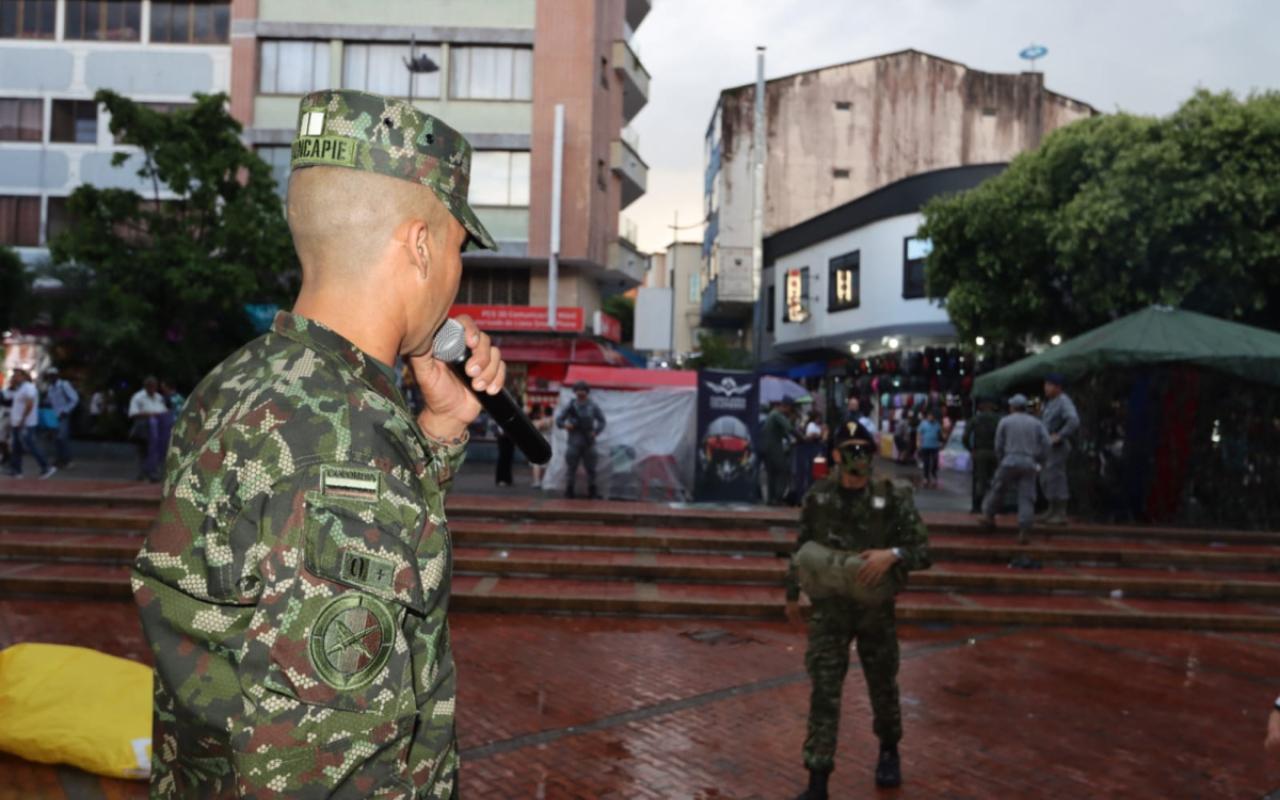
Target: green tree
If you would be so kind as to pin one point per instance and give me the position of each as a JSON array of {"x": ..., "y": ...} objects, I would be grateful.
[
  {"x": 15, "y": 287},
  {"x": 1116, "y": 213},
  {"x": 160, "y": 282},
  {"x": 623, "y": 309},
  {"x": 719, "y": 350}
]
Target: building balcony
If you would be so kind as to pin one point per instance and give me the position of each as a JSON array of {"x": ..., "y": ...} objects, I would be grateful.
[
  {"x": 631, "y": 168},
  {"x": 635, "y": 79},
  {"x": 637, "y": 10},
  {"x": 727, "y": 298},
  {"x": 626, "y": 263}
]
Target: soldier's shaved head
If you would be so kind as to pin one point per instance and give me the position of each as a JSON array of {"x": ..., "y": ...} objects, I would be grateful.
[{"x": 342, "y": 219}]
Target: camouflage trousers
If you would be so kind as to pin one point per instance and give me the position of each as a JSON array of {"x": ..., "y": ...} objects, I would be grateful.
[
  {"x": 1053, "y": 478},
  {"x": 984, "y": 469},
  {"x": 835, "y": 624}
]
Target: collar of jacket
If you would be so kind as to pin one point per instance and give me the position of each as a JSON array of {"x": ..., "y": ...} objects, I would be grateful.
[{"x": 316, "y": 336}]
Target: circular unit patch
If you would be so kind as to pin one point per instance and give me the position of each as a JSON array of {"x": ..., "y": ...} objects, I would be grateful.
[{"x": 351, "y": 640}]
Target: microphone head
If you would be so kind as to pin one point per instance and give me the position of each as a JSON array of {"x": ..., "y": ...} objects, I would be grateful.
[{"x": 451, "y": 341}]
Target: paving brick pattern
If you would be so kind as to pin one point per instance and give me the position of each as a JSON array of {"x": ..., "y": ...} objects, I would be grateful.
[{"x": 579, "y": 707}]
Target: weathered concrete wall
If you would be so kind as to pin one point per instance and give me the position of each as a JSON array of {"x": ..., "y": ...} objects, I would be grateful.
[{"x": 879, "y": 121}]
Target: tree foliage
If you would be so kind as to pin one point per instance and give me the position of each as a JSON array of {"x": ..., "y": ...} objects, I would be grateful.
[
  {"x": 623, "y": 309},
  {"x": 161, "y": 281},
  {"x": 15, "y": 285},
  {"x": 719, "y": 350},
  {"x": 1116, "y": 213}
]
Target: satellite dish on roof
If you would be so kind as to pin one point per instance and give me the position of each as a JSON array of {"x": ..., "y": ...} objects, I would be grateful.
[{"x": 1032, "y": 53}]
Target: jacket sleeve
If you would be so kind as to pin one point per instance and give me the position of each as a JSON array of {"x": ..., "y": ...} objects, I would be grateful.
[
  {"x": 563, "y": 415},
  {"x": 911, "y": 534},
  {"x": 1071, "y": 423},
  {"x": 808, "y": 530}
]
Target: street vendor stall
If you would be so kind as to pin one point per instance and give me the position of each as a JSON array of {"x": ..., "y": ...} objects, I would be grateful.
[{"x": 647, "y": 448}]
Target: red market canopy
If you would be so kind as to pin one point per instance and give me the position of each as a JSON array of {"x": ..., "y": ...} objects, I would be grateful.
[
  {"x": 559, "y": 351},
  {"x": 631, "y": 378}
]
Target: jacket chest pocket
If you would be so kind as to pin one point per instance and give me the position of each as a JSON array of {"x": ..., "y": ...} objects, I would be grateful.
[{"x": 340, "y": 641}]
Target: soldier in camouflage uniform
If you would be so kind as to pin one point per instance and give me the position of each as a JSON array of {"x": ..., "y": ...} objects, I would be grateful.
[
  {"x": 847, "y": 511},
  {"x": 980, "y": 441},
  {"x": 295, "y": 586}
]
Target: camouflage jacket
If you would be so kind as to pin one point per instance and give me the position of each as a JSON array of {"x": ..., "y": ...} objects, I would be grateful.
[
  {"x": 295, "y": 585},
  {"x": 980, "y": 433},
  {"x": 853, "y": 520}
]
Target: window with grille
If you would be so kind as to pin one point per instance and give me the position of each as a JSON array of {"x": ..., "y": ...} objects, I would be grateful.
[
  {"x": 19, "y": 221},
  {"x": 380, "y": 68},
  {"x": 191, "y": 22},
  {"x": 21, "y": 120},
  {"x": 494, "y": 287},
  {"x": 499, "y": 178},
  {"x": 491, "y": 73},
  {"x": 74, "y": 122},
  {"x": 104, "y": 20},
  {"x": 27, "y": 19},
  {"x": 295, "y": 67},
  {"x": 844, "y": 279}
]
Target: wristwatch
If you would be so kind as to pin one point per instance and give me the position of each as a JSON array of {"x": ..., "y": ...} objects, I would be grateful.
[
  {"x": 897, "y": 553},
  {"x": 1278, "y": 704}
]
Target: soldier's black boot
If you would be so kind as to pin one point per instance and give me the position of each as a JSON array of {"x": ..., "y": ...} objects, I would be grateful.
[
  {"x": 568, "y": 493},
  {"x": 817, "y": 786},
  {"x": 888, "y": 770},
  {"x": 592, "y": 494}
]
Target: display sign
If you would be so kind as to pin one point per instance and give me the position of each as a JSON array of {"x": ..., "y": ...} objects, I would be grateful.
[
  {"x": 797, "y": 295},
  {"x": 521, "y": 318},
  {"x": 727, "y": 467},
  {"x": 607, "y": 327}
]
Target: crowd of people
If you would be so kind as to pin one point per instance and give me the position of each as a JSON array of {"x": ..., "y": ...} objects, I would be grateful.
[{"x": 43, "y": 415}]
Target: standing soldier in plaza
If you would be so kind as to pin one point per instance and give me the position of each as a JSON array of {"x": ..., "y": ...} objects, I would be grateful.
[
  {"x": 583, "y": 421},
  {"x": 872, "y": 535},
  {"x": 980, "y": 441},
  {"x": 295, "y": 586},
  {"x": 1061, "y": 421},
  {"x": 1021, "y": 446},
  {"x": 776, "y": 435}
]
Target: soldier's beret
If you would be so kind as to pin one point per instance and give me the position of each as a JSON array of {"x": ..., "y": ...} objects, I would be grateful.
[
  {"x": 852, "y": 431},
  {"x": 374, "y": 133}
]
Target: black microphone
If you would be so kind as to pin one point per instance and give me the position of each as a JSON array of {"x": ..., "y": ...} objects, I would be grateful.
[{"x": 451, "y": 348}]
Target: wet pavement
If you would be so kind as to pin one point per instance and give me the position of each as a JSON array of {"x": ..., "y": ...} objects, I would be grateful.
[{"x": 582, "y": 707}]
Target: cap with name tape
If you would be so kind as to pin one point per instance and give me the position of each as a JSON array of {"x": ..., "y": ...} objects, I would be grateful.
[{"x": 374, "y": 133}]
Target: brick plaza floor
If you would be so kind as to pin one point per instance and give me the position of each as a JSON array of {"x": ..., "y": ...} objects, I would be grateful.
[{"x": 582, "y": 707}]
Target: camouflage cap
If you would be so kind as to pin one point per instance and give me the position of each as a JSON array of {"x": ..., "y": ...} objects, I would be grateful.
[{"x": 346, "y": 128}]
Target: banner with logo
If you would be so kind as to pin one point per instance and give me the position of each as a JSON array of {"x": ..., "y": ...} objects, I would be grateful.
[{"x": 728, "y": 424}]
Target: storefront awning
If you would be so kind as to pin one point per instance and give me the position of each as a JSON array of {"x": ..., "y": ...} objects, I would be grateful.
[{"x": 558, "y": 351}]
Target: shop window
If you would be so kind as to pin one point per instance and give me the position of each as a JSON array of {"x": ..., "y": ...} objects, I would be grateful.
[
  {"x": 21, "y": 120},
  {"x": 914, "y": 250},
  {"x": 491, "y": 73},
  {"x": 380, "y": 68},
  {"x": 74, "y": 122},
  {"x": 19, "y": 221},
  {"x": 104, "y": 20},
  {"x": 499, "y": 178},
  {"x": 293, "y": 67},
  {"x": 844, "y": 282},
  {"x": 191, "y": 22},
  {"x": 27, "y": 19}
]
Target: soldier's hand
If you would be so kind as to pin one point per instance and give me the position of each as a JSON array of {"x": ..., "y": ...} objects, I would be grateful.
[
  {"x": 875, "y": 563},
  {"x": 450, "y": 405},
  {"x": 1273, "y": 734},
  {"x": 793, "y": 613}
]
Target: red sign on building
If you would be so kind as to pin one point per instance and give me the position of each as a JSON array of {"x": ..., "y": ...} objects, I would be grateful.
[
  {"x": 521, "y": 318},
  {"x": 607, "y": 327}
]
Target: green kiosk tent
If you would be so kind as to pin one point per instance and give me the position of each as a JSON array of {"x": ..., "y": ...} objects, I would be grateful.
[{"x": 1156, "y": 335}]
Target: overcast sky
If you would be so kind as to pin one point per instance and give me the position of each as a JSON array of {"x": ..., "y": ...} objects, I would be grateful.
[{"x": 1143, "y": 56}]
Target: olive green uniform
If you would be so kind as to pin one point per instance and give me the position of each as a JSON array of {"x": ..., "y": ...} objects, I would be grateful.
[{"x": 980, "y": 441}]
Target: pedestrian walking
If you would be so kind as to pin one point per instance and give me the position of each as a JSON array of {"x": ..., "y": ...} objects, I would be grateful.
[
  {"x": 1022, "y": 444},
  {"x": 980, "y": 441},
  {"x": 810, "y": 446},
  {"x": 1061, "y": 421},
  {"x": 850, "y": 515},
  {"x": 776, "y": 436},
  {"x": 929, "y": 442},
  {"x": 172, "y": 398},
  {"x": 294, "y": 590},
  {"x": 63, "y": 399},
  {"x": 543, "y": 422},
  {"x": 24, "y": 416},
  {"x": 146, "y": 410},
  {"x": 583, "y": 421}
]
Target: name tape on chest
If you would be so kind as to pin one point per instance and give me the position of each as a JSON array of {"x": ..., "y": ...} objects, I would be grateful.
[{"x": 364, "y": 485}]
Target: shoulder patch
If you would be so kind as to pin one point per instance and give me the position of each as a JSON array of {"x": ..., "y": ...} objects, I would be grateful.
[{"x": 364, "y": 485}]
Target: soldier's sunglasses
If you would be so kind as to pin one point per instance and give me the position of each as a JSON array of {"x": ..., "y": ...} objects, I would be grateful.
[{"x": 859, "y": 449}]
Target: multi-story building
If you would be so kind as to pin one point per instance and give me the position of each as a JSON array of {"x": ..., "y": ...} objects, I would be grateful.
[
  {"x": 54, "y": 54},
  {"x": 680, "y": 269},
  {"x": 837, "y": 134}
]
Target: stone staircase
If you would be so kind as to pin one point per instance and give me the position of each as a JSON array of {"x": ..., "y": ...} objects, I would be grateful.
[{"x": 76, "y": 539}]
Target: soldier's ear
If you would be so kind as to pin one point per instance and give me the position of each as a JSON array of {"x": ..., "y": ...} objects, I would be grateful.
[{"x": 419, "y": 244}]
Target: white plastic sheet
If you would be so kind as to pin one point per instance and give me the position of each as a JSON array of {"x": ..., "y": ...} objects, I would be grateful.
[
  {"x": 954, "y": 456},
  {"x": 646, "y": 450}
]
